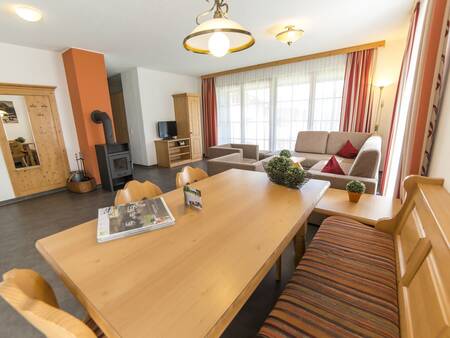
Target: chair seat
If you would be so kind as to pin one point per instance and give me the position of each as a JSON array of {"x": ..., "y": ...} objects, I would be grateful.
[
  {"x": 94, "y": 327},
  {"x": 345, "y": 286}
]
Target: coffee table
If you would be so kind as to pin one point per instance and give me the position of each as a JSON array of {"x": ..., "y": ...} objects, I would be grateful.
[{"x": 264, "y": 162}]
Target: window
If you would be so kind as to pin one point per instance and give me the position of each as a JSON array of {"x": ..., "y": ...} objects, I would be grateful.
[{"x": 269, "y": 107}]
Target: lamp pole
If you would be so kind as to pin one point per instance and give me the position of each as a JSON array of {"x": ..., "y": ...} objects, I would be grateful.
[{"x": 379, "y": 109}]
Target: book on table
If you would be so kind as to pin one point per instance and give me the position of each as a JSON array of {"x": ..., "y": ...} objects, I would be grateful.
[{"x": 133, "y": 218}]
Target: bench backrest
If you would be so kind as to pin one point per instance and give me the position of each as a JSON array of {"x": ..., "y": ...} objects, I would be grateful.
[{"x": 421, "y": 233}]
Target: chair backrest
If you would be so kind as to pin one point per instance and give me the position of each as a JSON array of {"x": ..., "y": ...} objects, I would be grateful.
[
  {"x": 31, "y": 296},
  {"x": 135, "y": 191},
  {"x": 421, "y": 232},
  {"x": 190, "y": 175}
]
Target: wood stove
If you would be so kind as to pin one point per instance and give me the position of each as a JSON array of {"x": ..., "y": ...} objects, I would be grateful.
[{"x": 114, "y": 160}]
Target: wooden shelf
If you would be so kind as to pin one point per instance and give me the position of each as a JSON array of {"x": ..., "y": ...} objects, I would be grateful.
[
  {"x": 179, "y": 154},
  {"x": 179, "y": 147}
]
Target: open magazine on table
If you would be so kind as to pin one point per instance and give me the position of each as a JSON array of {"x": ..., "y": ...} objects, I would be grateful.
[{"x": 131, "y": 219}]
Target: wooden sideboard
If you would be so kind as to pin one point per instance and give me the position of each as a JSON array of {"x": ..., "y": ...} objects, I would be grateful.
[{"x": 173, "y": 153}]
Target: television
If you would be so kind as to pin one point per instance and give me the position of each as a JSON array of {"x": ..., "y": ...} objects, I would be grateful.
[{"x": 167, "y": 129}]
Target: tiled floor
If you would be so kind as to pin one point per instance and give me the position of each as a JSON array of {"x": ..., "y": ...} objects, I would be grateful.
[{"x": 21, "y": 224}]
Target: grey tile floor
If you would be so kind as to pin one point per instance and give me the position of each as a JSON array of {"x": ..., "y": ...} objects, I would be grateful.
[{"x": 23, "y": 223}]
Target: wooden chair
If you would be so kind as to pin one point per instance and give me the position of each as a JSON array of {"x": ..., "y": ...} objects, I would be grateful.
[
  {"x": 135, "y": 191},
  {"x": 30, "y": 295},
  {"x": 190, "y": 175}
]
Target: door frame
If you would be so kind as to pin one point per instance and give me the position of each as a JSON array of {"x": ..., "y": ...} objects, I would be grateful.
[{"x": 32, "y": 90}]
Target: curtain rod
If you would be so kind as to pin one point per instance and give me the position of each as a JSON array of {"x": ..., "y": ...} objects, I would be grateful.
[{"x": 300, "y": 58}]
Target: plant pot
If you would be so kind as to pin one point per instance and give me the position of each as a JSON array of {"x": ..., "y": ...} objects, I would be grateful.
[
  {"x": 83, "y": 186},
  {"x": 354, "y": 196}
]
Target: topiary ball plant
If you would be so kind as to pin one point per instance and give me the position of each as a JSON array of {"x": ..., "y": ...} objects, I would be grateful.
[
  {"x": 294, "y": 177},
  {"x": 277, "y": 168},
  {"x": 281, "y": 170},
  {"x": 285, "y": 153},
  {"x": 356, "y": 186}
]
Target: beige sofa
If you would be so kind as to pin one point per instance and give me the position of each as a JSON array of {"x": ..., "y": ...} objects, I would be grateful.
[{"x": 317, "y": 147}]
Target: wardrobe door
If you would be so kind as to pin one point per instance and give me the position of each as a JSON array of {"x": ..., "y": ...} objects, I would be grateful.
[
  {"x": 195, "y": 122},
  {"x": 32, "y": 144}
]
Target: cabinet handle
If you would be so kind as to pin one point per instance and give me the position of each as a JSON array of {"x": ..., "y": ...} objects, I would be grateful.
[{"x": 44, "y": 106}]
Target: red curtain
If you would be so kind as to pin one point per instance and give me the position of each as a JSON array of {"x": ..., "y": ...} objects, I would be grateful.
[
  {"x": 401, "y": 83},
  {"x": 209, "y": 105},
  {"x": 357, "y": 98}
]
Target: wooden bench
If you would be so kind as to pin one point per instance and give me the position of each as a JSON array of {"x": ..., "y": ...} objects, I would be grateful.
[{"x": 389, "y": 281}]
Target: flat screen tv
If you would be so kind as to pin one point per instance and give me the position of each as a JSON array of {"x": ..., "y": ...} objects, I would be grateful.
[{"x": 167, "y": 129}]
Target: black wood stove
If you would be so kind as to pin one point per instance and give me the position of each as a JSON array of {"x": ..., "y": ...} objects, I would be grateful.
[{"x": 114, "y": 159}]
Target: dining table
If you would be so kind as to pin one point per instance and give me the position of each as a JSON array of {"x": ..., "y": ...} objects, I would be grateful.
[{"x": 192, "y": 278}]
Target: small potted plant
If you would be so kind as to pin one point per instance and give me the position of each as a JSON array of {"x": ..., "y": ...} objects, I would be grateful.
[{"x": 355, "y": 189}]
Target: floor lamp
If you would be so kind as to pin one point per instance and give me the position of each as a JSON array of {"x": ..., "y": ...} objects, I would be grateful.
[{"x": 380, "y": 85}]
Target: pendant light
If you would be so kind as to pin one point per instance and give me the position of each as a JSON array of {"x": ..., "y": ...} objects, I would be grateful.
[{"x": 218, "y": 36}]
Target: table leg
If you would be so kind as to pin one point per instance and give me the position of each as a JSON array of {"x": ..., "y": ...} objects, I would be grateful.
[
  {"x": 300, "y": 243},
  {"x": 278, "y": 270}
]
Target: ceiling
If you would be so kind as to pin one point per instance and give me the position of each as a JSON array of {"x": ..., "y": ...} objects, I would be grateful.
[{"x": 149, "y": 33}]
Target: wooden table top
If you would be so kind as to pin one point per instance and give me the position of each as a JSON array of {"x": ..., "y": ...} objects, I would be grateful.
[
  {"x": 191, "y": 279},
  {"x": 368, "y": 210}
]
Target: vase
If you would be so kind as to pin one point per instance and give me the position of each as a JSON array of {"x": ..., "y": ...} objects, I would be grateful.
[{"x": 354, "y": 196}]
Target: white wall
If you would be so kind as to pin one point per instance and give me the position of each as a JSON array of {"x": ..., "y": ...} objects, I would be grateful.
[
  {"x": 440, "y": 161},
  {"x": 387, "y": 70},
  {"x": 151, "y": 103},
  {"x": 25, "y": 65}
]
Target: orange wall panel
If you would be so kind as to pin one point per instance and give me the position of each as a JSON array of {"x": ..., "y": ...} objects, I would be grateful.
[{"x": 88, "y": 89}]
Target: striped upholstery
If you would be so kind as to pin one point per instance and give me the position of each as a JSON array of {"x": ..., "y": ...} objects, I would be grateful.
[
  {"x": 345, "y": 286},
  {"x": 94, "y": 327}
]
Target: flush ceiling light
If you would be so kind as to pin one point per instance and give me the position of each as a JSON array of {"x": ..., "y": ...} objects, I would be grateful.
[
  {"x": 28, "y": 13},
  {"x": 290, "y": 35},
  {"x": 219, "y": 35}
]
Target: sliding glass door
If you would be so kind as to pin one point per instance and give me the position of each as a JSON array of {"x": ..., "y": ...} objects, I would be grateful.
[{"x": 269, "y": 107}]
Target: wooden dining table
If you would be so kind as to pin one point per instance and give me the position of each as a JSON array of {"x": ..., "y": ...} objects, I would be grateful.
[{"x": 192, "y": 278}]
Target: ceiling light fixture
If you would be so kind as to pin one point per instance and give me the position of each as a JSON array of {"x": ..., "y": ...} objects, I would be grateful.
[
  {"x": 289, "y": 35},
  {"x": 28, "y": 13},
  {"x": 218, "y": 36}
]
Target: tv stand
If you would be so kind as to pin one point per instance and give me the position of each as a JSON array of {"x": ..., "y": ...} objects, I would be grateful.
[{"x": 173, "y": 153}]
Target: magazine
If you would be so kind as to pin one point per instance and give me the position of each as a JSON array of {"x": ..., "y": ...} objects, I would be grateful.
[{"x": 131, "y": 219}]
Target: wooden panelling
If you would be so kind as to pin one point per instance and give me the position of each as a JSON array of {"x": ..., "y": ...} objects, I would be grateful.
[
  {"x": 421, "y": 230},
  {"x": 54, "y": 168}
]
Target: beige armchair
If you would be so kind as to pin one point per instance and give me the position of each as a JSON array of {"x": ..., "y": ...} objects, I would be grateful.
[{"x": 249, "y": 151}]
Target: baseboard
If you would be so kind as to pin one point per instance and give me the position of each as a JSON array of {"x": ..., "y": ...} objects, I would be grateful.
[{"x": 39, "y": 194}]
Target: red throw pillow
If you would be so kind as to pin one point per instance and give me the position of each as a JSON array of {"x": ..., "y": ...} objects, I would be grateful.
[
  {"x": 348, "y": 150},
  {"x": 333, "y": 167}
]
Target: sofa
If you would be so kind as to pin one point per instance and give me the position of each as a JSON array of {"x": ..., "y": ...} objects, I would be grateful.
[
  {"x": 229, "y": 156},
  {"x": 248, "y": 151},
  {"x": 317, "y": 147},
  {"x": 358, "y": 281}
]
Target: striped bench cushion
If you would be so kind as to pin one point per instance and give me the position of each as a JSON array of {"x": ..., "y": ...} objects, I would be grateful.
[{"x": 345, "y": 286}]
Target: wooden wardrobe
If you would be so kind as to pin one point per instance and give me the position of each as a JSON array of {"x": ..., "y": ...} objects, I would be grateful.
[
  {"x": 189, "y": 121},
  {"x": 52, "y": 170}
]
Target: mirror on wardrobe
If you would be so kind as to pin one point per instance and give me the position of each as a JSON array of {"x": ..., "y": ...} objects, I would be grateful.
[{"x": 16, "y": 123}]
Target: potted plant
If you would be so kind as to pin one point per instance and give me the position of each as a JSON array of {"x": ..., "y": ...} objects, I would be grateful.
[{"x": 355, "y": 189}]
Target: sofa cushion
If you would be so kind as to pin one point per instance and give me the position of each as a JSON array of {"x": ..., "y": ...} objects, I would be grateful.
[
  {"x": 337, "y": 139},
  {"x": 318, "y": 167},
  {"x": 345, "y": 286},
  {"x": 333, "y": 167},
  {"x": 348, "y": 150},
  {"x": 311, "y": 142}
]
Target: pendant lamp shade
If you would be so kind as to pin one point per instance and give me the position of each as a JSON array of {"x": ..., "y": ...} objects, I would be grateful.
[{"x": 218, "y": 36}]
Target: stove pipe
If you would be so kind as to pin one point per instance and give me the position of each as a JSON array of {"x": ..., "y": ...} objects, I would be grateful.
[{"x": 103, "y": 118}]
